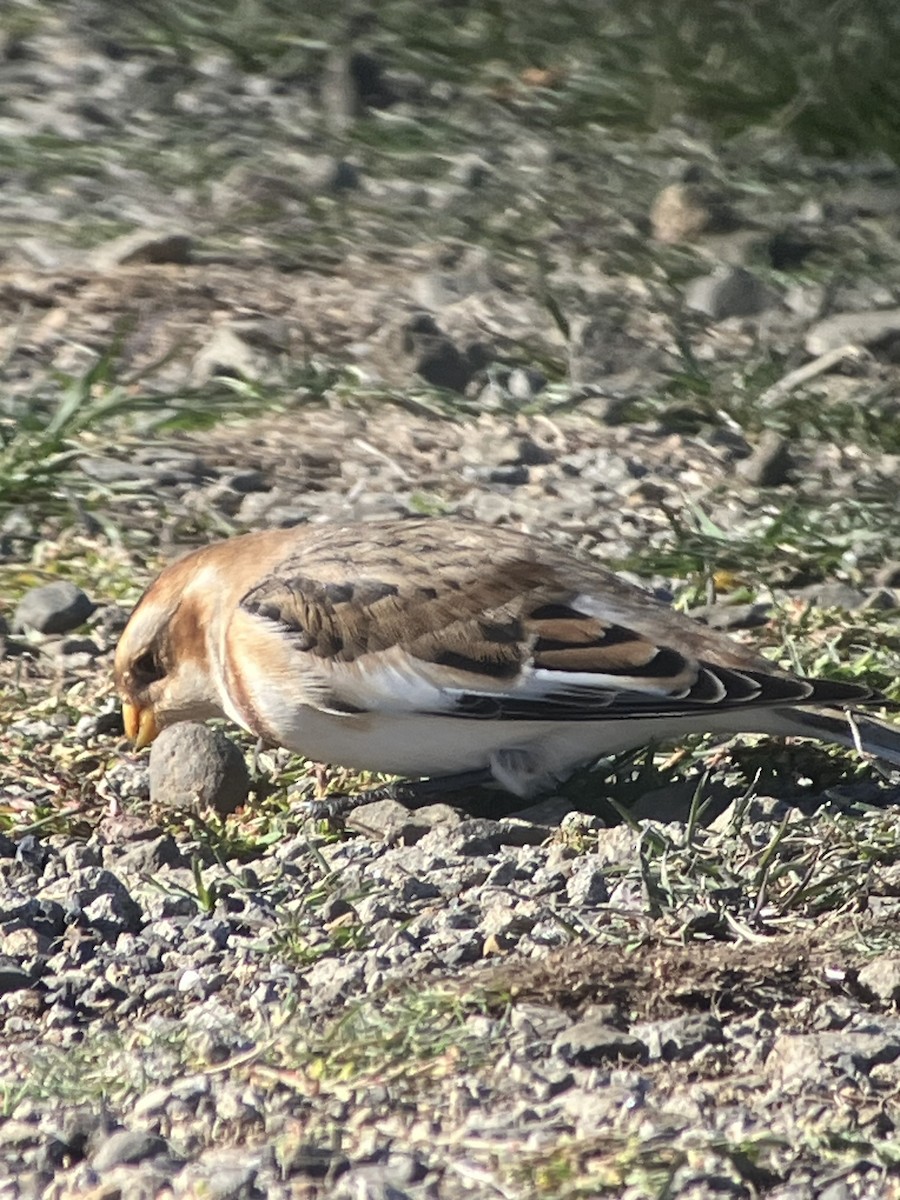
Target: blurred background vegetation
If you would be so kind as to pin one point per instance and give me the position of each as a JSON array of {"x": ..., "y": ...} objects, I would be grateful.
[{"x": 826, "y": 73}]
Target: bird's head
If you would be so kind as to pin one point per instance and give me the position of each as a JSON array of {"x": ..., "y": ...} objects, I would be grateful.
[{"x": 162, "y": 666}]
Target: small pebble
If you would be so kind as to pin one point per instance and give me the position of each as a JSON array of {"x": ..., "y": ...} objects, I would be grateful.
[{"x": 194, "y": 768}]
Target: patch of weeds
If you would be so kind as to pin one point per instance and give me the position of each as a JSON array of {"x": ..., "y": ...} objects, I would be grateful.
[
  {"x": 742, "y": 880},
  {"x": 242, "y": 836},
  {"x": 820, "y": 72},
  {"x": 39, "y": 436},
  {"x": 42, "y": 436},
  {"x": 700, "y": 395},
  {"x": 413, "y": 1039},
  {"x": 797, "y": 543},
  {"x": 610, "y": 1163},
  {"x": 859, "y": 646},
  {"x": 742, "y": 877},
  {"x": 107, "y": 1067},
  {"x": 301, "y": 941},
  {"x": 102, "y": 568},
  {"x": 427, "y": 504},
  {"x": 49, "y": 780}
]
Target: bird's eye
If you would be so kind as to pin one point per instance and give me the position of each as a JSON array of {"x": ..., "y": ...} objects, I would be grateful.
[{"x": 147, "y": 666}]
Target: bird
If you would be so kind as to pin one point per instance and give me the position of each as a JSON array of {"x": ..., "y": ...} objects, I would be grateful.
[{"x": 443, "y": 650}]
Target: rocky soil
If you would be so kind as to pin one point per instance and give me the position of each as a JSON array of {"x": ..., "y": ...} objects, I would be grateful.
[{"x": 359, "y": 286}]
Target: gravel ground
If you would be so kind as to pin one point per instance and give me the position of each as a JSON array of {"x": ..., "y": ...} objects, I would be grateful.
[{"x": 416, "y": 297}]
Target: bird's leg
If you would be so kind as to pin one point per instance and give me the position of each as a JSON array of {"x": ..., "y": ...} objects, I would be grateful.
[
  {"x": 416, "y": 793},
  {"x": 413, "y": 793}
]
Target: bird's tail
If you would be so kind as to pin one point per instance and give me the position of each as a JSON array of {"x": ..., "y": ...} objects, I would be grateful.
[{"x": 846, "y": 727}]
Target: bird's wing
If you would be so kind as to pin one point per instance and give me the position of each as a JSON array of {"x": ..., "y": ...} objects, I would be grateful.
[{"x": 499, "y": 631}]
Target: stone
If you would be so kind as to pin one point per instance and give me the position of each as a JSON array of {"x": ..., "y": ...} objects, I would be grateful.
[
  {"x": 80, "y": 889},
  {"x": 128, "y": 1146},
  {"x": 789, "y": 248},
  {"x": 228, "y": 353},
  {"x": 681, "y": 1037},
  {"x": 593, "y": 1042},
  {"x": 14, "y": 978},
  {"x": 380, "y": 819},
  {"x": 818, "y": 1058},
  {"x": 732, "y": 616},
  {"x": 194, "y": 768},
  {"x": 480, "y": 836},
  {"x": 833, "y": 594},
  {"x": 881, "y": 977},
  {"x": 53, "y": 608},
  {"x": 682, "y": 212},
  {"x": 442, "y": 365},
  {"x": 888, "y": 575},
  {"x": 587, "y": 885},
  {"x": 419, "y": 343},
  {"x": 882, "y": 599},
  {"x": 143, "y": 246},
  {"x": 729, "y": 292},
  {"x": 878, "y": 329},
  {"x": 772, "y": 462}
]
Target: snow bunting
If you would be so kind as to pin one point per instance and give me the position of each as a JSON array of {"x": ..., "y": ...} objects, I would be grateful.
[{"x": 436, "y": 647}]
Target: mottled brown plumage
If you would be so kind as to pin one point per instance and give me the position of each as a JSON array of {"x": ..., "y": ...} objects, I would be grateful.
[{"x": 425, "y": 646}]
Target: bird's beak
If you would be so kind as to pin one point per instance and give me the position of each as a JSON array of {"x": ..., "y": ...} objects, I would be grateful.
[{"x": 140, "y": 724}]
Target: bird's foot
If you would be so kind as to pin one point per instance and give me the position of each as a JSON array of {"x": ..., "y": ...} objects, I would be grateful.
[{"x": 412, "y": 793}]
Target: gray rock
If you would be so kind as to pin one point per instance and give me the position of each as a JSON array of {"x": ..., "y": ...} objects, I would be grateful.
[
  {"x": 592, "y": 1042},
  {"x": 770, "y": 464},
  {"x": 246, "y": 482},
  {"x": 113, "y": 470},
  {"x": 442, "y": 365},
  {"x": 817, "y": 1058},
  {"x": 369, "y": 1183},
  {"x": 732, "y": 616},
  {"x": 145, "y": 246},
  {"x": 430, "y": 353},
  {"x": 418, "y": 889},
  {"x": 684, "y": 211},
  {"x": 79, "y": 889},
  {"x": 146, "y": 854},
  {"x": 538, "y": 1022},
  {"x": 587, "y": 885},
  {"x": 463, "y": 271},
  {"x": 227, "y": 353},
  {"x": 14, "y": 978},
  {"x": 679, "y": 1038},
  {"x": 789, "y": 248},
  {"x": 888, "y": 575},
  {"x": 602, "y": 348},
  {"x": 111, "y": 915},
  {"x": 729, "y": 292},
  {"x": 882, "y": 599},
  {"x": 215, "y": 1179},
  {"x": 431, "y": 816},
  {"x": 833, "y": 595},
  {"x": 193, "y": 768},
  {"x": 882, "y": 978},
  {"x": 128, "y": 1146},
  {"x": 877, "y": 330},
  {"x": 82, "y": 649},
  {"x": 52, "y": 608},
  {"x": 381, "y": 819},
  {"x": 480, "y": 836}
]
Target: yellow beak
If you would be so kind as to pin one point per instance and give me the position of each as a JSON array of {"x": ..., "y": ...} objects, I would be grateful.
[{"x": 140, "y": 724}]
